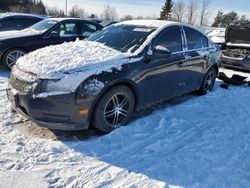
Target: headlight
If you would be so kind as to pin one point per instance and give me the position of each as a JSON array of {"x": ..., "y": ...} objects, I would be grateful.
[{"x": 52, "y": 85}]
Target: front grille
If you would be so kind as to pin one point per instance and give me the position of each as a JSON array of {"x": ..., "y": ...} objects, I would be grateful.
[{"x": 20, "y": 85}]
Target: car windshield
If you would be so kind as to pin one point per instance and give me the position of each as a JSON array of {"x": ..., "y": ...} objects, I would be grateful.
[
  {"x": 124, "y": 38},
  {"x": 43, "y": 25}
]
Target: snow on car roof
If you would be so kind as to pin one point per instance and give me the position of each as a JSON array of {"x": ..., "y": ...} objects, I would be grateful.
[
  {"x": 148, "y": 23},
  {"x": 62, "y": 19},
  {"x": 3, "y": 15}
]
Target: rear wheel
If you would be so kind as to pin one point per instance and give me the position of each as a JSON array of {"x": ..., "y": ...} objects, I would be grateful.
[
  {"x": 114, "y": 109},
  {"x": 208, "y": 82},
  {"x": 11, "y": 56}
]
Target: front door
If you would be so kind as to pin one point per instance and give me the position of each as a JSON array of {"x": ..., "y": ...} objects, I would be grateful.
[
  {"x": 164, "y": 78},
  {"x": 66, "y": 32}
]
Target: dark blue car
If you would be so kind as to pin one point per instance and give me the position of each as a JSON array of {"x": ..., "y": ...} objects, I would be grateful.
[{"x": 102, "y": 80}]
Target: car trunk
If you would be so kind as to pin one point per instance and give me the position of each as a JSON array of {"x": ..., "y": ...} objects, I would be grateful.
[
  {"x": 237, "y": 42},
  {"x": 238, "y": 35}
]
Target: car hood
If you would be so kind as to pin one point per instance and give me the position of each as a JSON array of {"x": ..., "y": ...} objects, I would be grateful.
[
  {"x": 54, "y": 62},
  {"x": 16, "y": 34},
  {"x": 238, "y": 35}
]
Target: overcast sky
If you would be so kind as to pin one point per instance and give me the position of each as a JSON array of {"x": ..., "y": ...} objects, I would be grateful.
[{"x": 148, "y": 7}]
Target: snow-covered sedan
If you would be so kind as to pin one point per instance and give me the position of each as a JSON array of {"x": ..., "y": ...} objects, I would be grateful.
[{"x": 101, "y": 81}]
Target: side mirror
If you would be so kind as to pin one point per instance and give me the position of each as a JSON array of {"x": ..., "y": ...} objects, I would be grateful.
[
  {"x": 161, "y": 50},
  {"x": 54, "y": 34}
]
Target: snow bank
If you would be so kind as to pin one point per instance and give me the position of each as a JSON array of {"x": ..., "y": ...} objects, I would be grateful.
[{"x": 193, "y": 142}]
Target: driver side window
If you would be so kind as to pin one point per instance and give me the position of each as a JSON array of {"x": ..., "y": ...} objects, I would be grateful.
[
  {"x": 171, "y": 39},
  {"x": 67, "y": 30}
]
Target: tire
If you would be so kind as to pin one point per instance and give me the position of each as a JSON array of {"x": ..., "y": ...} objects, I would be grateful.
[
  {"x": 114, "y": 109},
  {"x": 10, "y": 57},
  {"x": 208, "y": 81}
]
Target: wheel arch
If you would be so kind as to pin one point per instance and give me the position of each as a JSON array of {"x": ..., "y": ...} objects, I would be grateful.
[
  {"x": 213, "y": 66},
  {"x": 11, "y": 48},
  {"x": 130, "y": 84}
]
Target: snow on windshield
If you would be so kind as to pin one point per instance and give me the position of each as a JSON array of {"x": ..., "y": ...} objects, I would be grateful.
[{"x": 124, "y": 38}]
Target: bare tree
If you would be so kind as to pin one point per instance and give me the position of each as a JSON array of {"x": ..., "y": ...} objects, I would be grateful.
[
  {"x": 178, "y": 11},
  {"x": 55, "y": 12},
  {"x": 191, "y": 11},
  {"x": 77, "y": 12},
  {"x": 204, "y": 11},
  {"x": 109, "y": 13}
]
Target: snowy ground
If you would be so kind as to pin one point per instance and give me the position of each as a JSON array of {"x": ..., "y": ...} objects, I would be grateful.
[{"x": 191, "y": 142}]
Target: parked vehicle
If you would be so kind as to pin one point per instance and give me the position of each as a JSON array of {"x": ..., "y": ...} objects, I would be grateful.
[
  {"x": 107, "y": 23},
  {"x": 102, "y": 80},
  {"x": 236, "y": 50},
  {"x": 217, "y": 35},
  {"x": 18, "y": 21},
  {"x": 50, "y": 31}
]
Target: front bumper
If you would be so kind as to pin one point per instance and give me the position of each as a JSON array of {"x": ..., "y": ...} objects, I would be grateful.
[
  {"x": 238, "y": 63},
  {"x": 59, "y": 112}
]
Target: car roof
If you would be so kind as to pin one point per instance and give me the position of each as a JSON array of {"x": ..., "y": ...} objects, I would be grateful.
[
  {"x": 59, "y": 19},
  {"x": 149, "y": 23},
  {"x": 10, "y": 14},
  {"x": 159, "y": 24}
]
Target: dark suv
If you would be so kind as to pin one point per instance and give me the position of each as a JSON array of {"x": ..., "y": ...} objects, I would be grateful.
[
  {"x": 102, "y": 80},
  {"x": 18, "y": 21}
]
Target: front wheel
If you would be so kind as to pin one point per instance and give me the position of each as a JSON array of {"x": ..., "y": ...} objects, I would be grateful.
[
  {"x": 114, "y": 109},
  {"x": 208, "y": 82},
  {"x": 11, "y": 56}
]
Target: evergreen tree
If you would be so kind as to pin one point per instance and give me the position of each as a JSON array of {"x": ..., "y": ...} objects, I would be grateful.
[
  {"x": 25, "y": 6},
  {"x": 166, "y": 10},
  {"x": 218, "y": 19},
  {"x": 225, "y": 20}
]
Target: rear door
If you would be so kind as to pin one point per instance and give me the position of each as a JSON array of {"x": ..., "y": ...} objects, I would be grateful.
[{"x": 197, "y": 55}]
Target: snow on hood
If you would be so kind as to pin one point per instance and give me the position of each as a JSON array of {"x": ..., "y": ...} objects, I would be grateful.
[{"x": 54, "y": 61}]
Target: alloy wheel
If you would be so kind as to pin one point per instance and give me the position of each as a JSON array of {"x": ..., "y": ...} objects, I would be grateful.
[
  {"x": 12, "y": 57},
  {"x": 210, "y": 80},
  {"x": 116, "y": 110}
]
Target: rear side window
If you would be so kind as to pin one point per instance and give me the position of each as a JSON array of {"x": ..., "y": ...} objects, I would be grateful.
[
  {"x": 171, "y": 39},
  {"x": 195, "y": 39},
  {"x": 24, "y": 23},
  {"x": 17, "y": 23},
  {"x": 87, "y": 29},
  {"x": 8, "y": 24}
]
